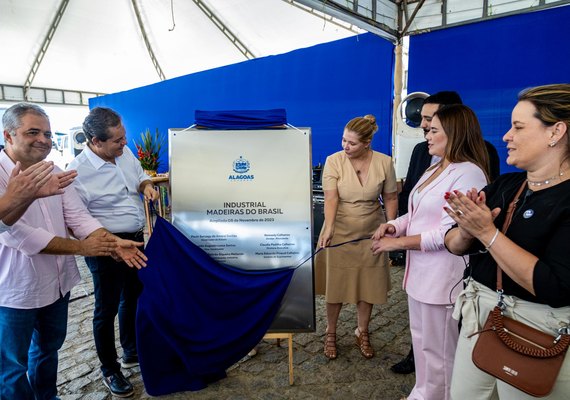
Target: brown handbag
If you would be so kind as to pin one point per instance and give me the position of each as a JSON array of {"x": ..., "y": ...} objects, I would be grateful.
[{"x": 523, "y": 357}]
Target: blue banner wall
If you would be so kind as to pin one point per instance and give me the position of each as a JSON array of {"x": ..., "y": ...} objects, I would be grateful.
[
  {"x": 488, "y": 63},
  {"x": 321, "y": 87}
]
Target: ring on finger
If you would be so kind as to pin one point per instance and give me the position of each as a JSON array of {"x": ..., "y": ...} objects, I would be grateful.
[{"x": 459, "y": 212}]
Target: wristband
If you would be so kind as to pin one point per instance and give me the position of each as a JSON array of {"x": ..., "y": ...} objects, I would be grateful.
[{"x": 492, "y": 242}]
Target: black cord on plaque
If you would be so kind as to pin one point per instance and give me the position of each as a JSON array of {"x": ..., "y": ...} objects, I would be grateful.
[{"x": 329, "y": 247}]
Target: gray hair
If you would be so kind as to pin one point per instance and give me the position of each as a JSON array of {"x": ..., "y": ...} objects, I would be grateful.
[{"x": 12, "y": 118}]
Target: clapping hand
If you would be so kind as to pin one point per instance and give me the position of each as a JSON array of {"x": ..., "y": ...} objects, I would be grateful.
[
  {"x": 98, "y": 245},
  {"x": 127, "y": 251},
  {"x": 37, "y": 181},
  {"x": 470, "y": 212}
]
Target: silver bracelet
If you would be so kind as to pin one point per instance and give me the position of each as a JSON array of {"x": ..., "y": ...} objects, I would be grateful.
[{"x": 493, "y": 240}]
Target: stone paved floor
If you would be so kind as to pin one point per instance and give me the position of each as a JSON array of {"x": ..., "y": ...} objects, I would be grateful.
[{"x": 265, "y": 376}]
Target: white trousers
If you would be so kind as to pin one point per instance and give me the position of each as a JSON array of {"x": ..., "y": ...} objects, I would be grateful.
[
  {"x": 474, "y": 304},
  {"x": 434, "y": 337}
]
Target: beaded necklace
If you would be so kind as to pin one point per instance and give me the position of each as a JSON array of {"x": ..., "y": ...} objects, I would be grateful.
[{"x": 546, "y": 181}]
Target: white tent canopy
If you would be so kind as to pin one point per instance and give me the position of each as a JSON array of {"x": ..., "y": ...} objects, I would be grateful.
[
  {"x": 79, "y": 48},
  {"x": 103, "y": 46},
  {"x": 62, "y": 52}
]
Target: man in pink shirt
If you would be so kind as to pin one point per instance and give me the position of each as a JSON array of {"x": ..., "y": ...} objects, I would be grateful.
[{"x": 37, "y": 267}]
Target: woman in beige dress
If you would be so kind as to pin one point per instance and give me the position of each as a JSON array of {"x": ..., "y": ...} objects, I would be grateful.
[{"x": 353, "y": 181}]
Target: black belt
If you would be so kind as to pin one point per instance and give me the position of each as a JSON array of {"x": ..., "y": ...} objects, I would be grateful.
[{"x": 138, "y": 235}]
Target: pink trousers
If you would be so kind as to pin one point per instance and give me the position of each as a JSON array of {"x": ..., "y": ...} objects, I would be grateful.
[{"x": 434, "y": 337}]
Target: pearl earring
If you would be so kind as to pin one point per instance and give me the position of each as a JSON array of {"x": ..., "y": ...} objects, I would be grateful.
[{"x": 552, "y": 144}]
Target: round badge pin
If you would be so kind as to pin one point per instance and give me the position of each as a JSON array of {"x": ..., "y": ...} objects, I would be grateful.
[{"x": 528, "y": 213}]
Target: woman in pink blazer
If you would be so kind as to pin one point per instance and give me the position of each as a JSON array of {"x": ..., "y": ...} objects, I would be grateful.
[{"x": 433, "y": 275}]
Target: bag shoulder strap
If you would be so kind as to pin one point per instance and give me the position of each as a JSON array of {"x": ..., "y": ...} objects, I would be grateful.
[{"x": 508, "y": 219}]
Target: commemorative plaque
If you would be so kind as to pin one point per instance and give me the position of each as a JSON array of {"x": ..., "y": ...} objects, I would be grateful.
[{"x": 244, "y": 197}]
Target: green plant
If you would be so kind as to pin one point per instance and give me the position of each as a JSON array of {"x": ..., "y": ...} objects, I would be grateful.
[{"x": 148, "y": 151}]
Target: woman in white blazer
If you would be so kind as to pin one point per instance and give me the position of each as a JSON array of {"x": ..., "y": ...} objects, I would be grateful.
[{"x": 433, "y": 275}]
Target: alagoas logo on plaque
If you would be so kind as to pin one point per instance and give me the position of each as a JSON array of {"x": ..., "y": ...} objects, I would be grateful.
[{"x": 240, "y": 167}]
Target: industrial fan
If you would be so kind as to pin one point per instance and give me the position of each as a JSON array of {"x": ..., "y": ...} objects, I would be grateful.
[
  {"x": 79, "y": 140},
  {"x": 407, "y": 131}
]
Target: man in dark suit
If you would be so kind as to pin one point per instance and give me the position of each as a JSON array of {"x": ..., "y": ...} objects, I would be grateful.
[{"x": 420, "y": 160}]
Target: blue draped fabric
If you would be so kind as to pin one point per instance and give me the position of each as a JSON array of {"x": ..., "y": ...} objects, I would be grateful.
[
  {"x": 197, "y": 317},
  {"x": 241, "y": 119}
]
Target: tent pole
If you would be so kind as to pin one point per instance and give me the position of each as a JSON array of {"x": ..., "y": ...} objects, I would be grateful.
[
  {"x": 43, "y": 49},
  {"x": 398, "y": 84}
]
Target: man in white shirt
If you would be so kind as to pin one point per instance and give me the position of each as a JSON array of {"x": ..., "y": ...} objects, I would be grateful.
[{"x": 110, "y": 181}]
